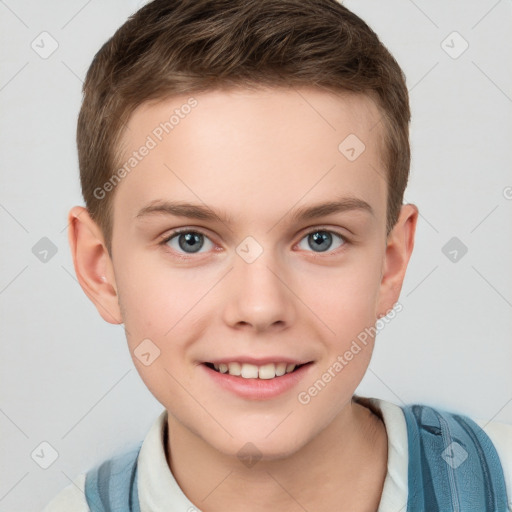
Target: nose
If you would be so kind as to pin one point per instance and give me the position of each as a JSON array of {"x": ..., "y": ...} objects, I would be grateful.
[{"x": 258, "y": 297}]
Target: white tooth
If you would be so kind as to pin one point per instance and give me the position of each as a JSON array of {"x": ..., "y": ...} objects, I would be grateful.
[
  {"x": 290, "y": 367},
  {"x": 249, "y": 371},
  {"x": 223, "y": 368},
  {"x": 234, "y": 369},
  {"x": 267, "y": 371},
  {"x": 280, "y": 369},
  {"x": 216, "y": 366}
]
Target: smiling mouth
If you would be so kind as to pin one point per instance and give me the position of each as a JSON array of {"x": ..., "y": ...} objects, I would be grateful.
[{"x": 251, "y": 371}]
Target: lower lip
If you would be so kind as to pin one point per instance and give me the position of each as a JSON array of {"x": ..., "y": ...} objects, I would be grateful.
[{"x": 258, "y": 389}]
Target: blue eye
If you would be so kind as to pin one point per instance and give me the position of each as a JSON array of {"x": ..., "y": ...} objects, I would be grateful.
[
  {"x": 194, "y": 242},
  {"x": 322, "y": 241},
  {"x": 190, "y": 242}
]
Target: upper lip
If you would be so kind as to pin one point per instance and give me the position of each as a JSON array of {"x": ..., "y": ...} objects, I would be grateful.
[{"x": 258, "y": 361}]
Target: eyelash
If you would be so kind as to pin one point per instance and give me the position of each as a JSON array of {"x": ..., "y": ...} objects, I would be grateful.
[{"x": 327, "y": 253}]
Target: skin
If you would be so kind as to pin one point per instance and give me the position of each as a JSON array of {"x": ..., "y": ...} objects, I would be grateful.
[{"x": 257, "y": 157}]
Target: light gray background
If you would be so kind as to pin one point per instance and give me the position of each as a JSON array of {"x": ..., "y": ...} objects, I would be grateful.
[{"x": 66, "y": 375}]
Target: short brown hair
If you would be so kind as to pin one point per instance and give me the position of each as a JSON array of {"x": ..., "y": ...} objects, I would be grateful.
[{"x": 173, "y": 47}]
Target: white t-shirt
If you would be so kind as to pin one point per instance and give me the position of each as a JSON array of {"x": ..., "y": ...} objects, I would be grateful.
[{"x": 159, "y": 491}]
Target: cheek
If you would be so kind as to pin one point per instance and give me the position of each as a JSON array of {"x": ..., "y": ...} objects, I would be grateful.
[
  {"x": 155, "y": 310},
  {"x": 162, "y": 305},
  {"x": 345, "y": 298},
  {"x": 155, "y": 298}
]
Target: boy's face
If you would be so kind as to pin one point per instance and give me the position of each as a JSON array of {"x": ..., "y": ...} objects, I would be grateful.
[{"x": 254, "y": 286}]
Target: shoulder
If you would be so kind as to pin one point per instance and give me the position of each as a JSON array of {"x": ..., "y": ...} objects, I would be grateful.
[
  {"x": 501, "y": 436},
  {"x": 71, "y": 498},
  {"x": 119, "y": 466},
  {"x": 396, "y": 485}
]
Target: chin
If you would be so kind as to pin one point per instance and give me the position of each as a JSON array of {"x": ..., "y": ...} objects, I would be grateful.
[{"x": 260, "y": 445}]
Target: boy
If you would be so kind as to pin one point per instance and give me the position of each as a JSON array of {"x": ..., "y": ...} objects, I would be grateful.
[{"x": 243, "y": 165}]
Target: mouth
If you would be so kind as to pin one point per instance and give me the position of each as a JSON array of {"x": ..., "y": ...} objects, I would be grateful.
[
  {"x": 266, "y": 371},
  {"x": 256, "y": 382}
]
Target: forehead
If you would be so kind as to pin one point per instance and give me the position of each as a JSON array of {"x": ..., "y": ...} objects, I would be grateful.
[{"x": 254, "y": 153}]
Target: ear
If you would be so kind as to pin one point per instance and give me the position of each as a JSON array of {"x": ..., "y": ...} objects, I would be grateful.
[
  {"x": 93, "y": 266},
  {"x": 399, "y": 246}
]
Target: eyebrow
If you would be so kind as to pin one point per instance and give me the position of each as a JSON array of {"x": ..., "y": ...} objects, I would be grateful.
[
  {"x": 181, "y": 209},
  {"x": 203, "y": 212},
  {"x": 344, "y": 204}
]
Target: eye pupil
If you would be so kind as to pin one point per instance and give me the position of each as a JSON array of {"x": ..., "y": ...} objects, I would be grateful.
[
  {"x": 320, "y": 240},
  {"x": 191, "y": 240}
]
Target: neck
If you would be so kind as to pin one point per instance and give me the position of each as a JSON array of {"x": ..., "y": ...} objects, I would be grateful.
[{"x": 345, "y": 464}]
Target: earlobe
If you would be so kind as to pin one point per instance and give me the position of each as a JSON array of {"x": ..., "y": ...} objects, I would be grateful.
[
  {"x": 93, "y": 266},
  {"x": 400, "y": 244}
]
